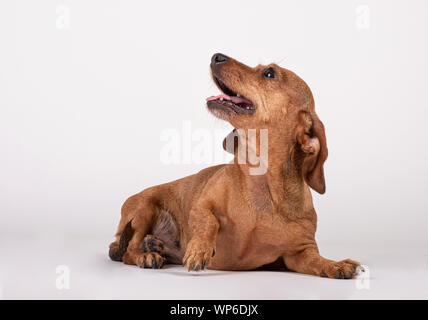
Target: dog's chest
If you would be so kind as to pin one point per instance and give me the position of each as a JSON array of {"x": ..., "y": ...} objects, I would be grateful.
[
  {"x": 251, "y": 229},
  {"x": 253, "y": 218},
  {"x": 249, "y": 242},
  {"x": 269, "y": 230}
]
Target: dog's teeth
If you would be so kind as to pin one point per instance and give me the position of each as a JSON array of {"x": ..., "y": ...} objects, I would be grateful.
[
  {"x": 221, "y": 99},
  {"x": 238, "y": 95}
]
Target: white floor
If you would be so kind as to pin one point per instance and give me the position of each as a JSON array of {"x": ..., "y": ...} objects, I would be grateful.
[{"x": 28, "y": 270}]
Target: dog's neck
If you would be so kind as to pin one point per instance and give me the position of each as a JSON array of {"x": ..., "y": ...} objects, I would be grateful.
[{"x": 277, "y": 176}]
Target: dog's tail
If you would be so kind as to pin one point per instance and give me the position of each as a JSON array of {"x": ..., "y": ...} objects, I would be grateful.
[{"x": 116, "y": 252}]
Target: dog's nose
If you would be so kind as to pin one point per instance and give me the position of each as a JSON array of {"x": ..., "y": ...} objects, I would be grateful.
[{"x": 218, "y": 58}]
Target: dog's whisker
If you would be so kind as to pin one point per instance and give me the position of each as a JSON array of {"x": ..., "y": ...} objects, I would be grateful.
[{"x": 280, "y": 61}]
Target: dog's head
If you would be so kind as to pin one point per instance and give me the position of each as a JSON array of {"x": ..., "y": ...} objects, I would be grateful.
[{"x": 273, "y": 98}]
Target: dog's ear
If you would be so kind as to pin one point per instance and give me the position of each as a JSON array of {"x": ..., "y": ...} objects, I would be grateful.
[
  {"x": 310, "y": 136},
  {"x": 231, "y": 142}
]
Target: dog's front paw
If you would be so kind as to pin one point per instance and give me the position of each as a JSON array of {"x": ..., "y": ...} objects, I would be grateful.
[
  {"x": 198, "y": 254},
  {"x": 345, "y": 269}
]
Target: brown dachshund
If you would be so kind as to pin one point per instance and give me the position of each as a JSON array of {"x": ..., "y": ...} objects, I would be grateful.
[{"x": 233, "y": 216}]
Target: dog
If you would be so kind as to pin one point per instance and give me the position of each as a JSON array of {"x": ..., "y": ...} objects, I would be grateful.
[{"x": 225, "y": 217}]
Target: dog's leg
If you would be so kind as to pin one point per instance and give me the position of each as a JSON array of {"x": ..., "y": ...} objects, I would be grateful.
[
  {"x": 138, "y": 215},
  {"x": 309, "y": 261},
  {"x": 135, "y": 255},
  {"x": 201, "y": 248},
  {"x": 141, "y": 224}
]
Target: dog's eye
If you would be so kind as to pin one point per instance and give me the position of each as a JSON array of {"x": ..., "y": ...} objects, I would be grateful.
[{"x": 269, "y": 73}]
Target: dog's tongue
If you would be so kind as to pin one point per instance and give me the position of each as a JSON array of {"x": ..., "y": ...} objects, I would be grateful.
[{"x": 234, "y": 99}]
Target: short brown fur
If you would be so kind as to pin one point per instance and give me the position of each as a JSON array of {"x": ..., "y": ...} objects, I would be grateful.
[{"x": 227, "y": 219}]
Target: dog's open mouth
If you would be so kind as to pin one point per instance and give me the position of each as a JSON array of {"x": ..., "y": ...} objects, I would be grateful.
[{"x": 230, "y": 100}]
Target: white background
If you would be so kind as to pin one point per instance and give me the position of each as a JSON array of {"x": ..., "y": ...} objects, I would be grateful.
[{"x": 83, "y": 107}]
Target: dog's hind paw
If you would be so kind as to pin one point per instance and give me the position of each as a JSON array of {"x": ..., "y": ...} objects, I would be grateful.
[
  {"x": 152, "y": 244},
  {"x": 152, "y": 260}
]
